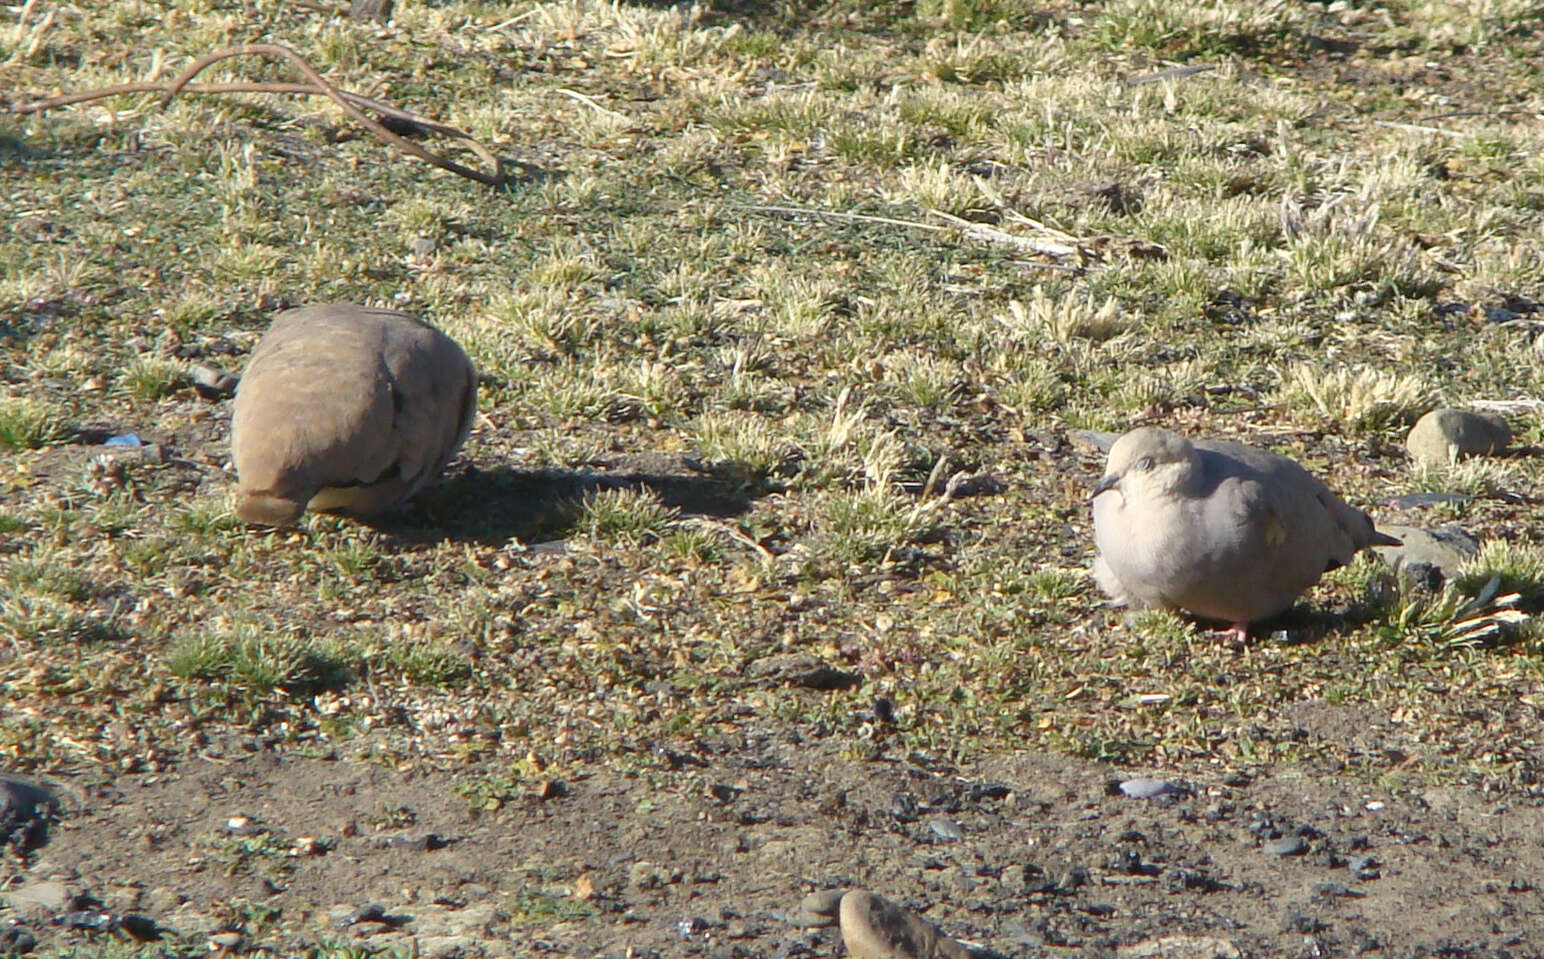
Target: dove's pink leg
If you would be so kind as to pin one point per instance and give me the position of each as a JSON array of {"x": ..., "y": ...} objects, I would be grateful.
[{"x": 1236, "y": 635}]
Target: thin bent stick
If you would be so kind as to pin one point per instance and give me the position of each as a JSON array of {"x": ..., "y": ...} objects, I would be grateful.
[
  {"x": 975, "y": 230},
  {"x": 496, "y": 178},
  {"x": 159, "y": 86},
  {"x": 348, "y": 102}
]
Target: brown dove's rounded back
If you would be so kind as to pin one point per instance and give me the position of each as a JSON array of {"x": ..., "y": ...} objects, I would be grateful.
[{"x": 347, "y": 408}]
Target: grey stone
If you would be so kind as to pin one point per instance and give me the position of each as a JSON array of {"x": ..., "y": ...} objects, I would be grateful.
[
  {"x": 16, "y": 940},
  {"x": 189, "y": 922},
  {"x": 819, "y": 908},
  {"x": 475, "y": 919},
  {"x": 1144, "y": 787},
  {"x": 379, "y": 10},
  {"x": 946, "y": 829},
  {"x": 1442, "y": 436},
  {"x": 802, "y": 669},
  {"x": 371, "y": 912},
  {"x": 1180, "y": 947},
  {"x": 963, "y": 484},
  {"x": 1093, "y": 439},
  {"x": 53, "y": 896},
  {"x": 644, "y": 874},
  {"x": 876, "y": 928},
  {"x": 26, "y": 810},
  {"x": 1444, "y": 549},
  {"x": 1285, "y": 846},
  {"x": 449, "y": 947},
  {"x": 1428, "y": 500},
  {"x": 211, "y": 381}
]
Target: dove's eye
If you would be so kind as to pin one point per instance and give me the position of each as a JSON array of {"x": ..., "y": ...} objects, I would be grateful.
[{"x": 1144, "y": 464}]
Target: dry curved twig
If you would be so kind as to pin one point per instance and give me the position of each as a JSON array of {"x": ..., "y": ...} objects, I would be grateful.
[{"x": 349, "y": 103}]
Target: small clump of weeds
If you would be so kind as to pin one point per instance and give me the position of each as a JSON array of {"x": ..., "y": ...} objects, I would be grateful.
[
  {"x": 1361, "y": 400},
  {"x": 254, "y": 662},
  {"x": 150, "y": 379},
  {"x": 29, "y": 424},
  {"x": 628, "y": 517}
]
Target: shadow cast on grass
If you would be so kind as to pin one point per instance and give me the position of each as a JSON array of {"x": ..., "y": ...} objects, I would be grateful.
[
  {"x": 1302, "y": 624},
  {"x": 535, "y": 506}
]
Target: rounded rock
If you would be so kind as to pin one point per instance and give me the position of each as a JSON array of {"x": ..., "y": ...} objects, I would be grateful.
[
  {"x": 819, "y": 908},
  {"x": 946, "y": 829},
  {"x": 1145, "y": 787},
  {"x": 26, "y": 811},
  {"x": 1443, "y": 549},
  {"x": 1442, "y": 436},
  {"x": 1285, "y": 846}
]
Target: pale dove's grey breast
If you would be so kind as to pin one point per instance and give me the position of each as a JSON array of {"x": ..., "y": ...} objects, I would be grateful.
[{"x": 347, "y": 408}]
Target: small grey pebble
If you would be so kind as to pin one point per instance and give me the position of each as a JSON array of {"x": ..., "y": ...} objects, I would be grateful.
[
  {"x": 17, "y": 941},
  {"x": 211, "y": 381},
  {"x": 425, "y": 246},
  {"x": 964, "y": 484},
  {"x": 241, "y": 826},
  {"x": 26, "y": 811},
  {"x": 1093, "y": 439},
  {"x": 370, "y": 10},
  {"x": 1426, "y": 500},
  {"x": 91, "y": 919},
  {"x": 1298, "y": 922},
  {"x": 1146, "y": 788},
  {"x": 374, "y": 912},
  {"x": 417, "y": 843},
  {"x": 823, "y": 902},
  {"x": 1285, "y": 846},
  {"x": 1365, "y": 867},
  {"x": 946, "y": 829}
]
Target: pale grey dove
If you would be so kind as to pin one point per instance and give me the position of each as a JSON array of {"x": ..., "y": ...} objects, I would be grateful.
[
  {"x": 1223, "y": 530},
  {"x": 349, "y": 409}
]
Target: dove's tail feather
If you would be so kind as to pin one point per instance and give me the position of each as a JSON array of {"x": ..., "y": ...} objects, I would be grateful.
[{"x": 269, "y": 508}]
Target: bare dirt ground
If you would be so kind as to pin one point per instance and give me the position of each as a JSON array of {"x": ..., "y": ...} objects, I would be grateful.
[{"x": 707, "y": 853}]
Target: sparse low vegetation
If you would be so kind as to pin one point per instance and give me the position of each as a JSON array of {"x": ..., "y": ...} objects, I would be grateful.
[{"x": 762, "y": 281}]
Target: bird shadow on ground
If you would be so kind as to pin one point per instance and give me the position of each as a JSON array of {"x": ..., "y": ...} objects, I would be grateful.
[
  {"x": 493, "y": 506},
  {"x": 1305, "y": 624},
  {"x": 1302, "y": 625}
]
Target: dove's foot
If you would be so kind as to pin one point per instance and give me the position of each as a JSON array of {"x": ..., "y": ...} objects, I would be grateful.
[{"x": 1235, "y": 636}]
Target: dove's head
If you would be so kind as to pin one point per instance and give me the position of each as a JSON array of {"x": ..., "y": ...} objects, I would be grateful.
[{"x": 1148, "y": 462}]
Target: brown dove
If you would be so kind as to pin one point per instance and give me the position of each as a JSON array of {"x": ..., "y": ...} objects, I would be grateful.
[
  {"x": 1223, "y": 530},
  {"x": 347, "y": 409}
]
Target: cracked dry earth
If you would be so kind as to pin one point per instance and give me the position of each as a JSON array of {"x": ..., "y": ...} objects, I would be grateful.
[{"x": 708, "y": 854}]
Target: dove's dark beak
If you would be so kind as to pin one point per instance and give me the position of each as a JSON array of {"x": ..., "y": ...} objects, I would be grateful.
[{"x": 1105, "y": 485}]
